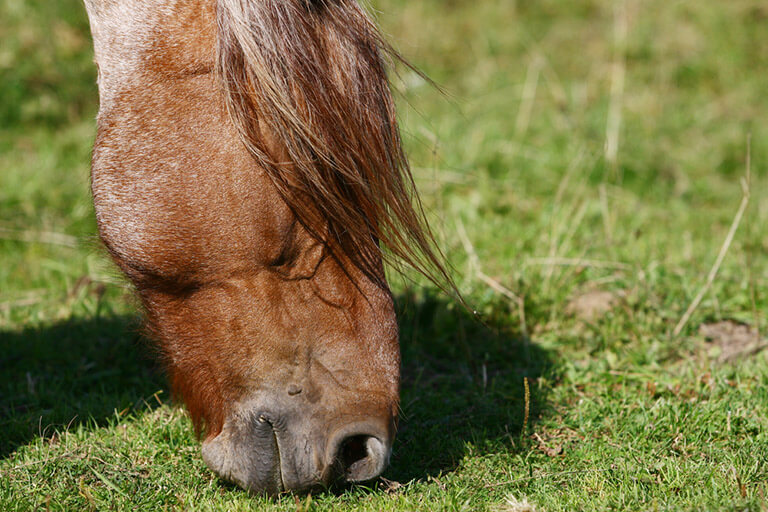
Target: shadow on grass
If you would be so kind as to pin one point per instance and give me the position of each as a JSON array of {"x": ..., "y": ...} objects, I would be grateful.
[
  {"x": 463, "y": 385},
  {"x": 71, "y": 373},
  {"x": 462, "y": 381}
]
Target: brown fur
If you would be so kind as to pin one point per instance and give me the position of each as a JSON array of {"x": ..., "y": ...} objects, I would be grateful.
[{"x": 246, "y": 170}]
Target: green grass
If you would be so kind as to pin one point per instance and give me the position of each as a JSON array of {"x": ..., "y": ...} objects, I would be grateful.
[{"x": 624, "y": 415}]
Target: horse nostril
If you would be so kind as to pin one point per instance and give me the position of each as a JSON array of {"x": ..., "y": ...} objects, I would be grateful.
[
  {"x": 353, "y": 450},
  {"x": 362, "y": 457}
]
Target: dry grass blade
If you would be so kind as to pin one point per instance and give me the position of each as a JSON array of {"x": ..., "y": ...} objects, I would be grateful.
[
  {"x": 528, "y": 96},
  {"x": 27, "y": 299},
  {"x": 578, "y": 262},
  {"x": 723, "y": 251},
  {"x": 475, "y": 269},
  {"x": 40, "y": 237},
  {"x": 618, "y": 73}
]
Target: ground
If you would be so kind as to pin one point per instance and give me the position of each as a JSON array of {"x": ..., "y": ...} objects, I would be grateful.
[{"x": 595, "y": 173}]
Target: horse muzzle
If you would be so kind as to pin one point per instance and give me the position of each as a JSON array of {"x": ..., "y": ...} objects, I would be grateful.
[{"x": 269, "y": 453}]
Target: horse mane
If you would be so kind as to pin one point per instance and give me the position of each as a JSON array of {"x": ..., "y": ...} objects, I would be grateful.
[{"x": 305, "y": 83}]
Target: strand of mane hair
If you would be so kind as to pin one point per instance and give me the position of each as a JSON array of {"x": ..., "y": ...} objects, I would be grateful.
[{"x": 306, "y": 85}]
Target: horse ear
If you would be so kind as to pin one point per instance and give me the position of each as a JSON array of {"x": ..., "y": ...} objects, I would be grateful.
[{"x": 313, "y": 74}]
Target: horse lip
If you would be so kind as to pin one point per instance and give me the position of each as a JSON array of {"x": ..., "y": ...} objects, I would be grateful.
[
  {"x": 247, "y": 454},
  {"x": 292, "y": 471},
  {"x": 278, "y": 458}
]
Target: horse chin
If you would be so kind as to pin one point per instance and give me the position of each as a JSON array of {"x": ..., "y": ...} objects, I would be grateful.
[{"x": 268, "y": 453}]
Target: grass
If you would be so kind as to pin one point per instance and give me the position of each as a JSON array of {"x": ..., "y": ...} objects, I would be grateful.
[{"x": 602, "y": 253}]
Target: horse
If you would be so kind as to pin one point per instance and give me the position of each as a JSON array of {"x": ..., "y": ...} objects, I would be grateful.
[{"x": 248, "y": 178}]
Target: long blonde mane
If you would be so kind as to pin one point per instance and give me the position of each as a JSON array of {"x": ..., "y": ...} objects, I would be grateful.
[{"x": 306, "y": 85}]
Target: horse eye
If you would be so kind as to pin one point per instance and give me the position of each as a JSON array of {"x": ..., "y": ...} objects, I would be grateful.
[{"x": 286, "y": 257}]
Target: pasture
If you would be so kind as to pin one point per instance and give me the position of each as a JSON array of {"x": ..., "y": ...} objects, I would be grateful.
[{"x": 595, "y": 173}]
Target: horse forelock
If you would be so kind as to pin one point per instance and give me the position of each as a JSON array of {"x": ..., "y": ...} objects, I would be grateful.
[{"x": 305, "y": 83}]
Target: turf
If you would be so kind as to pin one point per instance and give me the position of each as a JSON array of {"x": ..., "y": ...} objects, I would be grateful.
[{"x": 583, "y": 170}]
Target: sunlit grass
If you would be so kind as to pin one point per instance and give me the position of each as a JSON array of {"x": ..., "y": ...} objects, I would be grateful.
[{"x": 595, "y": 258}]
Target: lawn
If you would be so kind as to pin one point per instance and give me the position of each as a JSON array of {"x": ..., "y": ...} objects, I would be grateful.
[{"x": 596, "y": 176}]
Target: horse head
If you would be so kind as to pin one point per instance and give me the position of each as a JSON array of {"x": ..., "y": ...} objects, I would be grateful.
[{"x": 246, "y": 171}]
